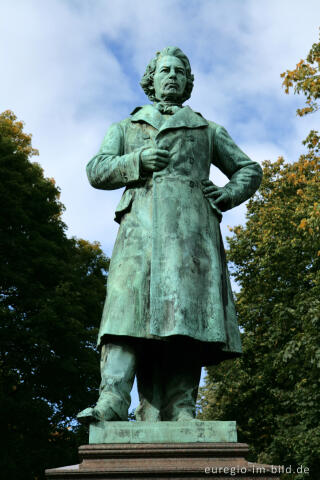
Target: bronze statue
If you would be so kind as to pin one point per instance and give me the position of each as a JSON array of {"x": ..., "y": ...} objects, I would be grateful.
[{"x": 169, "y": 308}]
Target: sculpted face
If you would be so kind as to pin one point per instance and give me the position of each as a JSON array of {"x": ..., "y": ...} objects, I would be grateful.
[{"x": 169, "y": 79}]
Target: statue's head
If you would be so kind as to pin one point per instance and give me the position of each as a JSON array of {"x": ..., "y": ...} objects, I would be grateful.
[{"x": 168, "y": 77}]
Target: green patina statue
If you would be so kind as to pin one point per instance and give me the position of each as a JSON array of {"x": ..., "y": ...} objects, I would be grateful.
[{"x": 169, "y": 308}]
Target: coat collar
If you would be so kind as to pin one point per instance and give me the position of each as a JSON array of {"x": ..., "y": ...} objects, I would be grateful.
[{"x": 185, "y": 117}]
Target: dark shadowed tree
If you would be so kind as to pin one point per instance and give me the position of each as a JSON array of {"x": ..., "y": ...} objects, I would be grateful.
[
  {"x": 52, "y": 290},
  {"x": 273, "y": 390}
]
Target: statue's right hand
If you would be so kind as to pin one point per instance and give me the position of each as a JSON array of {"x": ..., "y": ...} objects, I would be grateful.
[{"x": 154, "y": 159}]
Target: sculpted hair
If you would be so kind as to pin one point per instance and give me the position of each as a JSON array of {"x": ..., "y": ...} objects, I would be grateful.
[{"x": 147, "y": 79}]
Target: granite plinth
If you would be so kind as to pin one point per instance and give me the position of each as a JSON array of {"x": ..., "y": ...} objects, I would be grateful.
[
  {"x": 164, "y": 461},
  {"x": 163, "y": 432}
]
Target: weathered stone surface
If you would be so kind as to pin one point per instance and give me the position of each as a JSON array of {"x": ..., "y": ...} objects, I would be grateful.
[
  {"x": 164, "y": 461},
  {"x": 162, "y": 432}
]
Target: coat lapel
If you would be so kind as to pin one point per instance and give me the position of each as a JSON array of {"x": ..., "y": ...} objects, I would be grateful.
[
  {"x": 183, "y": 118},
  {"x": 148, "y": 114}
]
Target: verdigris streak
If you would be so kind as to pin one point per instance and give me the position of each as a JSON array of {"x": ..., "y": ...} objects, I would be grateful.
[{"x": 169, "y": 308}]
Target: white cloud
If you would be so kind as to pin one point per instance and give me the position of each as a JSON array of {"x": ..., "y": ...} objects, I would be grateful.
[{"x": 71, "y": 68}]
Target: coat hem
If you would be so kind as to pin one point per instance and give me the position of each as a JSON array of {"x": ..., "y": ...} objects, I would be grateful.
[{"x": 205, "y": 353}]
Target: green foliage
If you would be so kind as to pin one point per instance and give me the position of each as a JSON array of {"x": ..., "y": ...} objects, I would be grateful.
[
  {"x": 12, "y": 132},
  {"x": 273, "y": 390},
  {"x": 52, "y": 290},
  {"x": 305, "y": 78}
]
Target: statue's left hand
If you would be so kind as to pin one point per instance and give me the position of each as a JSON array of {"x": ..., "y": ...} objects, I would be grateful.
[{"x": 218, "y": 194}]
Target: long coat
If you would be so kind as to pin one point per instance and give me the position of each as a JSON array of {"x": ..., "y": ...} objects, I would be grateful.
[{"x": 168, "y": 276}]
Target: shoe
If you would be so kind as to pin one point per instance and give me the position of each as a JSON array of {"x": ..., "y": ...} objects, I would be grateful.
[
  {"x": 94, "y": 415},
  {"x": 145, "y": 412},
  {"x": 184, "y": 416},
  {"x": 87, "y": 416}
]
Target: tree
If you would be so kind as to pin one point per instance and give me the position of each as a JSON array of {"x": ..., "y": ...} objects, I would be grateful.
[
  {"x": 273, "y": 390},
  {"x": 52, "y": 290},
  {"x": 305, "y": 78}
]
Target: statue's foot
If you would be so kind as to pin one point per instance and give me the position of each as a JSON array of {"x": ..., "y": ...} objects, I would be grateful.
[
  {"x": 93, "y": 415},
  {"x": 184, "y": 417},
  {"x": 145, "y": 412},
  {"x": 88, "y": 415}
]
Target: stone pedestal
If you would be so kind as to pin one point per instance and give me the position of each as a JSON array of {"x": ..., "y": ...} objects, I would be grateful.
[
  {"x": 163, "y": 432},
  {"x": 130, "y": 461}
]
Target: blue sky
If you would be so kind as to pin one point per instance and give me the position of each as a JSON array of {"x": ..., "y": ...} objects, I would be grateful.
[{"x": 70, "y": 68}]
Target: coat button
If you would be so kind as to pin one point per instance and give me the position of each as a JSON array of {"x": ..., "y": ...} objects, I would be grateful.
[
  {"x": 191, "y": 184},
  {"x": 191, "y": 160},
  {"x": 191, "y": 138},
  {"x": 146, "y": 136},
  {"x": 158, "y": 179}
]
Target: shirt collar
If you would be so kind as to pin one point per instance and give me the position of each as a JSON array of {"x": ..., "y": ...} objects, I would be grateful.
[{"x": 184, "y": 117}]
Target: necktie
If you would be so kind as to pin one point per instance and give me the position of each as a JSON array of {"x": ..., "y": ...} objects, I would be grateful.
[{"x": 166, "y": 108}]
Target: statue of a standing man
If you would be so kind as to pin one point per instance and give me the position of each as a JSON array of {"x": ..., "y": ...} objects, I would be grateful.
[{"x": 169, "y": 308}]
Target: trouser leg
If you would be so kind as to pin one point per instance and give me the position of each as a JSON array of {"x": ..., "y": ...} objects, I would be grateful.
[
  {"x": 118, "y": 368},
  {"x": 167, "y": 383},
  {"x": 181, "y": 389},
  {"x": 149, "y": 383}
]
